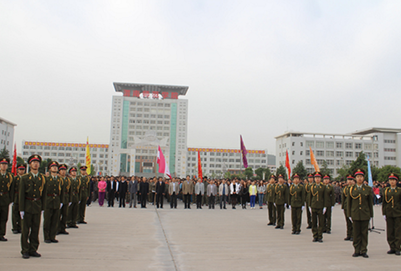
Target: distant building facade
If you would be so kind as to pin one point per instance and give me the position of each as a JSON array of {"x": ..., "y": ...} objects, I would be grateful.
[
  {"x": 383, "y": 145},
  {"x": 7, "y": 136}
]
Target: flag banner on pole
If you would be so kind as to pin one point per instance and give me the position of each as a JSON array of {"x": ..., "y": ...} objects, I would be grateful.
[
  {"x": 369, "y": 173},
  {"x": 244, "y": 152},
  {"x": 88, "y": 157},
  {"x": 313, "y": 160},
  {"x": 161, "y": 161},
  {"x": 14, "y": 165},
  {"x": 287, "y": 164},
  {"x": 199, "y": 166}
]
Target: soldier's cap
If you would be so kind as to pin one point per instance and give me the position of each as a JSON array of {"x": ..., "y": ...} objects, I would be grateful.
[
  {"x": 359, "y": 172},
  {"x": 273, "y": 176},
  {"x": 34, "y": 157},
  {"x": 4, "y": 161},
  {"x": 21, "y": 166},
  {"x": 295, "y": 175},
  {"x": 62, "y": 167},
  {"x": 310, "y": 175},
  {"x": 326, "y": 176},
  {"x": 83, "y": 168},
  {"x": 393, "y": 176},
  {"x": 280, "y": 176},
  {"x": 52, "y": 164},
  {"x": 317, "y": 174},
  {"x": 350, "y": 177},
  {"x": 72, "y": 169}
]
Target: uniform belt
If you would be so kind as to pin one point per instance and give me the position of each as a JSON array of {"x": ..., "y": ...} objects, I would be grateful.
[
  {"x": 52, "y": 195},
  {"x": 3, "y": 193},
  {"x": 33, "y": 199}
]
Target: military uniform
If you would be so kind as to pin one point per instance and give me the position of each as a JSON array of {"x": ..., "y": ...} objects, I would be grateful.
[
  {"x": 66, "y": 185},
  {"x": 270, "y": 203},
  {"x": 84, "y": 196},
  {"x": 296, "y": 201},
  {"x": 360, "y": 208},
  {"x": 16, "y": 218},
  {"x": 75, "y": 188},
  {"x": 31, "y": 204},
  {"x": 317, "y": 209},
  {"x": 344, "y": 199},
  {"x": 391, "y": 209},
  {"x": 280, "y": 199},
  {"x": 54, "y": 198},
  {"x": 308, "y": 202},
  {"x": 6, "y": 197},
  {"x": 329, "y": 201}
]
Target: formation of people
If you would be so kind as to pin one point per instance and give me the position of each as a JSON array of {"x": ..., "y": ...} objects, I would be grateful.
[
  {"x": 62, "y": 198},
  {"x": 59, "y": 198}
]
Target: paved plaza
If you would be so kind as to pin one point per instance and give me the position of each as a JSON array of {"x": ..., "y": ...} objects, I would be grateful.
[{"x": 165, "y": 239}]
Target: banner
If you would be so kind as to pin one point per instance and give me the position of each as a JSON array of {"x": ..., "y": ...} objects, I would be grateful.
[
  {"x": 244, "y": 152},
  {"x": 313, "y": 160},
  {"x": 199, "y": 167},
  {"x": 287, "y": 164},
  {"x": 161, "y": 161},
  {"x": 88, "y": 157}
]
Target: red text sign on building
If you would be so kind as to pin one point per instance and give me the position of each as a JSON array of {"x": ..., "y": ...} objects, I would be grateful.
[
  {"x": 146, "y": 94},
  {"x": 136, "y": 93},
  {"x": 155, "y": 95},
  {"x": 127, "y": 92},
  {"x": 165, "y": 95},
  {"x": 174, "y": 95}
]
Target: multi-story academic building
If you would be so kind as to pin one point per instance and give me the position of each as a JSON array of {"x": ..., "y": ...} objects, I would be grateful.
[
  {"x": 7, "y": 136},
  {"x": 215, "y": 162},
  {"x": 69, "y": 153},
  {"x": 383, "y": 145},
  {"x": 142, "y": 118}
]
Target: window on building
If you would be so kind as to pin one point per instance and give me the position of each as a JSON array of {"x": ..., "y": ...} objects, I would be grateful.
[
  {"x": 358, "y": 145},
  {"x": 319, "y": 153},
  {"x": 319, "y": 144},
  {"x": 310, "y": 144},
  {"x": 329, "y": 145},
  {"x": 348, "y": 145},
  {"x": 348, "y": 154},
  {"x": 330, "y": 153},
  {"x": 339, "y": 145},
  {"x": 339, "y": 154}
]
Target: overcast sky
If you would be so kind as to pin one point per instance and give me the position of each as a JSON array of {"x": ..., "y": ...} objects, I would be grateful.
[{"x": 256, "y": 68}]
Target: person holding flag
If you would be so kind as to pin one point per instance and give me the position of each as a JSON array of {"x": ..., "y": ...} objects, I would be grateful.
[{"x": 392, "y": 214}]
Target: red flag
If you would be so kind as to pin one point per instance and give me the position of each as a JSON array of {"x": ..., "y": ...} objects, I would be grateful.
[
  {"x": 287, "y": 164},
  {"x": 14, "y": 165},
  {"x": 199, "y": 166},
  {"x": 163, "y": 167}
]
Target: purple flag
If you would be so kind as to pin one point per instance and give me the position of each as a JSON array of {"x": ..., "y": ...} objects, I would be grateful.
[{"x": 244, "y": 152}]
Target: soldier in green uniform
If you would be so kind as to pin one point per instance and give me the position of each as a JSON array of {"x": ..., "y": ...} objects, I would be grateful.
[
  {"x": 16, "y": 218},
  {"x": 270, "y": 201},
  {"x": 84, "y": 195},
  {"x": 280, "y": 200},
  {"x": 66, "y": 184},
  {"x": 344, "y": 199},
  {"x": 296, "y": 202},
  {"x": 6, "y": 195},
  {"x": 54, "y": 201},
  {"x": 317, "y": 207},
  {"x": 392, "y": 214},
  {"x": 360, "y": 209},
  {"x": 72, "y": 214},
  {"x": 329, "y": 201},
  {"x": 308, "y": 200},
  {"x": 31, "y": 205}
]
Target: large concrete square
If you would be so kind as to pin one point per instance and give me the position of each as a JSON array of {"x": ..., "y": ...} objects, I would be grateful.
[{"x": 179, "y": 239}]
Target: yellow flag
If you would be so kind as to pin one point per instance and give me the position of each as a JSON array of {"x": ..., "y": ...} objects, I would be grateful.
[
  {"x": 313, "y": 160},
  {"x": 88, "y": 157}
]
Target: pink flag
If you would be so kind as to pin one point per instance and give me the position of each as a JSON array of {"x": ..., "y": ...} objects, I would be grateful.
[{"x": 163, "y": 167}]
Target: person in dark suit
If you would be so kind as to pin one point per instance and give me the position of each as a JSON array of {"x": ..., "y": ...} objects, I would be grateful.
[
  {"x": 160, "y": 189},
  {"x": 143, "y": 191},
  {"x": 122, "y": 190},
  {"x": 111, "y": 190}
]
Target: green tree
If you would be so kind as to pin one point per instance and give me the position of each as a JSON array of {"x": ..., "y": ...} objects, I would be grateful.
[
  {"x": 259, "y": 173},
  {"x": 20, "y": 160},
  {"x": 93, "y": 172},
  {"x": 43, "y": 165},
  {"x": 342, "y": 173},
  {"x": 324, "y": 170},
  {"x": 78, "y": 171},
  {"x": 248, "y": 173},
  {"x": 375, "y": 173},
  {"x": 300, "y": 170},
  {"x": 359, "y": 163},
  {"x": 227, "y": 175},
  {"x": 385, "y": 171},
  {"x": 4, "y": 153},
  {"x": 267, "y": 173},
  {"x": 281, "y": 170}
]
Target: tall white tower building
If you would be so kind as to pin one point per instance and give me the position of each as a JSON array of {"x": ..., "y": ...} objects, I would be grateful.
[{"x": 143, "y": 118}]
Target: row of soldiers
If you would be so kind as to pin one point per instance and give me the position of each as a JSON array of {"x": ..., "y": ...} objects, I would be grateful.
[
  {"x": 60, "y": 199},
  {"x": 318, "y": 199}
]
